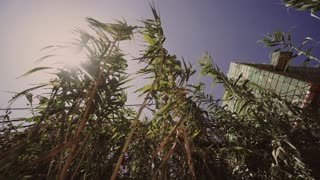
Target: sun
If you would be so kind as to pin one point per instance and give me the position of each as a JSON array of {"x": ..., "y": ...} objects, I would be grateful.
[
  {"x": 62, "y": 56},
  {"x": 71, "y": 56}
]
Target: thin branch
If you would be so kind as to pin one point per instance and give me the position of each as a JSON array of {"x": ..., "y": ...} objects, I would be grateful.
[
  {"x": 188, "y": 151},
  {"x": 86, "y": 113},
  {"x": 166, "y": 139}
]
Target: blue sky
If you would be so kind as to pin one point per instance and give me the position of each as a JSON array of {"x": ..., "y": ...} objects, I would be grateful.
[{"x": 227, "y": 29}]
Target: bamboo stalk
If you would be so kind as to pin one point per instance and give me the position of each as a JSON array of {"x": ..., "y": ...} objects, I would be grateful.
[
  {"x": 85, "y": 115},
  {"x": 130, "y": 135},
  {"x": 82, "y": 157},
  {"x": 136, "y": 121},
  {"x": 165, "y": 159},
  {"x": 166, "y": 139},
  {"x": 50, "y": 168},
  {"x": 188, "y": 151}
]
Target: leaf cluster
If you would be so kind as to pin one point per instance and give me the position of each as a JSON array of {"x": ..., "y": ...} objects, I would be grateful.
[
  {"x": 312, "y": 5},
  {"x": 281, "y": 41},
  {"x": 83, "y": 129}
]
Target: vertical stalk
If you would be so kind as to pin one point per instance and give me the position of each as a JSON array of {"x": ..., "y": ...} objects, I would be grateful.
[
  {"x": 130, "y": 135},
  {"x": 85, "y": 115},
  {"x": 136, "y": 121},
  {"x": 166, "y": 139},
  {"x": 165, "y": 159},
  {"x": 188, "y": 151}
]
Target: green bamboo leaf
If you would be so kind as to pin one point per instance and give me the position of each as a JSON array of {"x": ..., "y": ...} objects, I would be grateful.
[
  {"x": 47, "y": 47},
  {"x": 44, "y": 58},
  {"x": 238, "y": 148},
  {"x": 244, "y": 106},
  {"x": 291, "y": 145},
  {"x": 163, "y": 83},
  {"x": 144, "y": 88},
  {"x": 26, "y": 91},
  {"x": 33, "y": 71},
  {"x": 103, "y": 35},
  {"x": 275, "y": 157},
  {"x": 164, "y": 109},
  {"x": 312, "y": 14},
  {"x": 195, "y": 134},
  {"x": 115, "y": 135},
  {"x": 20, "y": 125},
  {"x": 148, "y": 39}
]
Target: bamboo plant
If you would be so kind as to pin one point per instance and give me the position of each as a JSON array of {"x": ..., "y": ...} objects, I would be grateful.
[{"x": 83, "y": 129}]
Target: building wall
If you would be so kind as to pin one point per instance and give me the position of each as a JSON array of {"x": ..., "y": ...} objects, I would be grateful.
[
  {"x": 292, "y": 89},
  {"x": 309, "y": 74}
]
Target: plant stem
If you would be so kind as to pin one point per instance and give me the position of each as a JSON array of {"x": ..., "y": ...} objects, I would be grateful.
[
  {"x": 188, "y": 151},
  {"x": 164, "y": 142},
  {"x": 136, "y": 121},
  {"x": 304, "y": 53},
  {"x": 85, "y": 115}
]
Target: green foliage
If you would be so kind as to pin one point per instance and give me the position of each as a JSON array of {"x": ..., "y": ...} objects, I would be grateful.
[
  {"x": 101, "y": 81},
  {"x": 312, "y": 5},
  {"x": 283, "y": 42},
  {"x": 83, "y": 130},
  {"x": 265, "y": 123}
]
